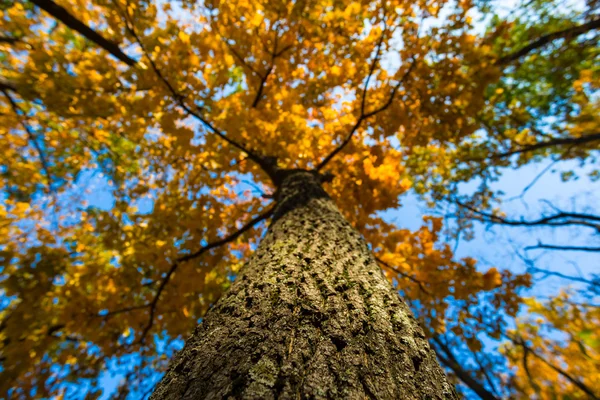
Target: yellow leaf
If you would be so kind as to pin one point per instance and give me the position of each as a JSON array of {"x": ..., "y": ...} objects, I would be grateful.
[
  {"x": 71, "y": 360},
  {"x": 184, "y": 37},
  {"x": 20, "y": 208},
  {"x": 492, "y": 279}
]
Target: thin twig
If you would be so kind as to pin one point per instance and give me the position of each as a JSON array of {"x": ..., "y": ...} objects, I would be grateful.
[
  {"x": 564, "y": 248},
  {"x": 538, "y": 177},
  {"x": 405, "y": 275}
]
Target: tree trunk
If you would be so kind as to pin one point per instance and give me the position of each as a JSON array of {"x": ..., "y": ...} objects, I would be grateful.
[{"x": 311, "y": 316}]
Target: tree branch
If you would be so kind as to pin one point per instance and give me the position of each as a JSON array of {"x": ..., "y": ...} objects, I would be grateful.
[
  {"x": 7, "y": 85},
  {"x": 72, "y": 22},
  {"x": 263, "y": 80},
  {"x": 227, "y": 239},
  {"x": 9, "y": 39},
  {"x": 539, "y": 176},
  {"x": 569, "y": 34},
  {"x": 122, "y": 311},
  {"x": 32, "y": 138},
  {"x": 364, "y": 116},
  {"x": 485, "y": 372},
  {"x": 564, "y": 248},
  {"x": 239, "y": 57},
  {"x": 559, "y": 219},
  {"x": 263, "y": 77},
  {"x": 520, "y": 342},
  {"x": 450, "y": 362},
  {"x": 403, "y": 274},
  {"x": 371, "y": 71},
  {"x": 535, "y": 270},
  {"x": 574, "y": 141},
  {"x": 263, "y": 162}
]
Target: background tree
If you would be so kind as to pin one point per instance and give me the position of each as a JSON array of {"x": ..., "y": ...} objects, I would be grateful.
[{"x": 179, "y": 113}]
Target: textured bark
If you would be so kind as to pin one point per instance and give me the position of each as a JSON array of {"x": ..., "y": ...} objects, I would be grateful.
[{"x": 311, "y": 316}]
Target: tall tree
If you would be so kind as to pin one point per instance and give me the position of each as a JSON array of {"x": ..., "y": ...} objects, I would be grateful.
[{"x": 201, "y": 124}]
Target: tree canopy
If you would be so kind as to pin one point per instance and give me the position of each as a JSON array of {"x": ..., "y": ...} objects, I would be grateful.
[{"x": 181, "y": 113}]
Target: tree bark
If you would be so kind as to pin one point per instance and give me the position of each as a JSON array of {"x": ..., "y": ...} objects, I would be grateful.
[{"x": 311, "y": 316}]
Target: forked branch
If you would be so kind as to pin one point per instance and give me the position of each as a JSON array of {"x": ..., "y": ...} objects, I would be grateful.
[
  {"x": 263, "y": 162},
  {"x": 445, "y": 355},
  {"x": 363, "y": 116}
]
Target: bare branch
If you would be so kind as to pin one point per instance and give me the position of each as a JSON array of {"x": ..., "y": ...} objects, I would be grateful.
[
  {"x": 448, "y": 360},
  {"x": 564, "y": 248},
  {"x": 72, "y": 22},
  {"x": 559, "y": 219},
  {"x": 485, "y": 372},
  {"x": 539, "y": 176},
  {"x": 534, "y": 270}
]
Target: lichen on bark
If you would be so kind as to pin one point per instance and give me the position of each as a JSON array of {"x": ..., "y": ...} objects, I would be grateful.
[{"x": 310, "y": 316}]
